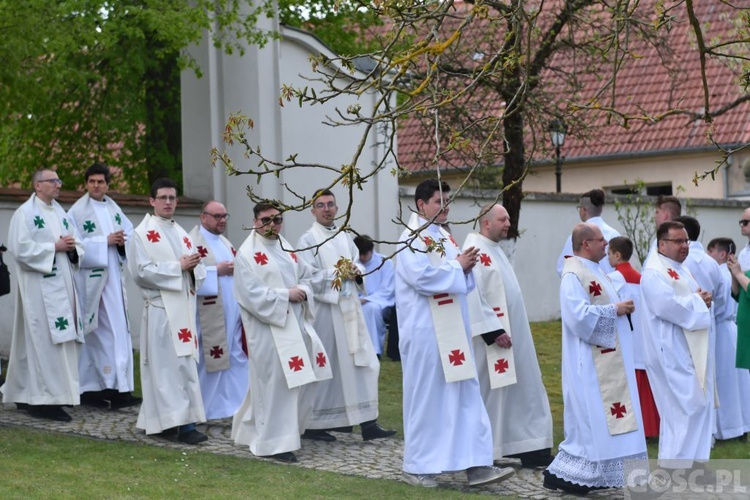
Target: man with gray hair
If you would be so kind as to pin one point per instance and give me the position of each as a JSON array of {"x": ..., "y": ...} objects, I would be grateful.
[
  {"x": 509, "y": 374},
  {"x": 43, "y": 365}
]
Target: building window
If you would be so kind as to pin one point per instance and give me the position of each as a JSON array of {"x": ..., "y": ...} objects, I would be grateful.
[{"x": 650, "y": 190}]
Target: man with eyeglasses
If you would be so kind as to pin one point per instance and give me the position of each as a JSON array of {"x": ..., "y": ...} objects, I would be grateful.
[
  {"x": 603, "y": 425},
  {"x": 744, "y": 256},
  {"x": 167, "y": 267},
  {"x": 677, "y": 332},
  {"x": 47, "y": 328},
  {"x": 106, "y": 359},
  {"x": 351, "y": 396},
  {"x": 222, "y": 365},
  {"x": 286, "y": 355}
]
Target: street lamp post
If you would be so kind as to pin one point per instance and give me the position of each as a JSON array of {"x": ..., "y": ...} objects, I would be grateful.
[{"x": 557, "y": 130}]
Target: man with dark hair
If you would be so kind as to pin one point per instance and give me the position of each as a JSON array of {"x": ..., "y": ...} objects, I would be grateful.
[
  {"x": 222, "y": 362},
  {"x": 732, "y": 383},
  {"x": 105, "y": 364},
  {"x": 603, "y": 427},
  {"x": 167, "y": 268},
  {"x": 590, "y": 209},
  {"x": 43, "y": 366},
  {"x": 379, "y": 296},
  {"x": 351, "y": 396},
  {"x": 678, "y": 341},
  {"x": 287, "y": 357},
  {"x": 666, "y": 208},
  {"x": 446, "y": 426}
]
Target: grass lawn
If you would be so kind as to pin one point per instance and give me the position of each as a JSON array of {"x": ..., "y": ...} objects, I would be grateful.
[{"x": 38, "y": 464}]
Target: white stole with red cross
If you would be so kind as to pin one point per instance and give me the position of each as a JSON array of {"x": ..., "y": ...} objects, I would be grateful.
[
  {"x": 608, "y": 362},
  {"x": 493, "y": 313},
  {"x": 211, "y": 310},
  {"x": 447, "y": 319},
  {"x": 697, "y": 340},
  {"x": 288, "y": 338},
  {"x": 177, "y": 303}
]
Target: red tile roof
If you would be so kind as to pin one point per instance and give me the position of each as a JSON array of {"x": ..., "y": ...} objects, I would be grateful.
[{"x": 644, "y": 86}]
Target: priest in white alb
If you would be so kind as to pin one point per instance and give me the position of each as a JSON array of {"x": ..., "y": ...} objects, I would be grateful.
[
  {"x": 286, "y": 356},
  {"x": 47, "y": 328},
  {"x": 222, "y": 365},
  {"x": 166, "y": 267},
  {"x": 446, "y": 427},
  {"x": 602, "y": 415},
  {"x": 676, "y": 323},
  {"x": 106, "y": 360},
  {"x": 379, "y": 296},
  {"x": 350, "y": 397},
  {"x": 509, "y": 374}
]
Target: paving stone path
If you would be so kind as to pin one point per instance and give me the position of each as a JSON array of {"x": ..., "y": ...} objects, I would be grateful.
[{"x": 379, "y": 459}]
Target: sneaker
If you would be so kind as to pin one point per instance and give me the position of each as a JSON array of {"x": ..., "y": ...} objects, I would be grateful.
[
  {"x": 192, "y": 437},
  {"x": 486, "y": 474},
  {"x": 374, "y": 431},
  {"x": 423, "y": 480}
]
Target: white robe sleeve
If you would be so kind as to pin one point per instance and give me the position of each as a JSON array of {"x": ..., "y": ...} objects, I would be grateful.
[
  {"x": 416, "y": 271},
  {"x": 687, "y": 311},
  {"x": 567, "y": 250},
  {"x": 155, "y": 275},
  {"x": 321, "y": 277},
  {"x": 594, "y": 324}
]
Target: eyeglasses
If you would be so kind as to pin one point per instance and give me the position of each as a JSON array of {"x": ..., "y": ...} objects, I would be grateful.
[
  {"x": 276, "y": 220},
  {"x": 218, "y": 217},
  {"x": 167, "y": 198},
  {"x": 53, "y": 181},
  {"x": 679, "y": 241},
  {"x": 600, "y": 240},
  {"x": 330, "y": 204},
  {"x": 744, "y": 222}
]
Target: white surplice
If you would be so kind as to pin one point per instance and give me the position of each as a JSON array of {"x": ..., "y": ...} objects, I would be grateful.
[
  {"x": 446, "y": 427},
  {"x": 106, "y": 358},
  {"x": 589, "y": 455},
  {"x": 519, "y": 413},
  {"x": 686, "y": 410},
  {"x": 732, "y": 383},
  {"x": 42, "y": 369},
  {"x": 607, "y": 231},
  {"x": 272, "y": 416},
  {"x": 380, "y": 293},
  {"x": 223, "y": 390},
  {"x": 351, "y": 396},
  {"x": 170, "y": 385}
]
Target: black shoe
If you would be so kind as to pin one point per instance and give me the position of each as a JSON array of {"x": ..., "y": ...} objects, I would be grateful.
[
  {"x": 23, "y": 406},
  {"x": 124, "y": 400},
  {"x": 552, "y": 482},
  {"x": 167, "y": 433},
  {"x": 346, "y": 430},
  {"x": 533, "y": 459},
  {"x": 49, "y": 412},
  {"x": 192, "y": 437},
  {"x": 94, "y": 400},
  {"x": 286, "y": 457},
  {"x": 374, "y": 431},
  {"x": 318, "y": 435}
]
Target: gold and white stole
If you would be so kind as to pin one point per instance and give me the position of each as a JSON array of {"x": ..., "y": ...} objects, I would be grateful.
[
  {"x": 501, "y": 364},
  {"x": 357, "y": 335},
  {"x": 177, "y": 303},
  {"x": 295, "y": 360},
  {"x": 608, "y": 362},
  {"x": 445, "y": 308},
  {"x": 697, "y": 340},
  {"x": 211, "y": 310}
]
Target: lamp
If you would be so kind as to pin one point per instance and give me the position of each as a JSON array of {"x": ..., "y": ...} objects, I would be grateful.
[{"x": 557, "y": 130}]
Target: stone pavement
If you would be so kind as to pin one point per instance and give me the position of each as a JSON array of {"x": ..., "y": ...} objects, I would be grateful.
[{"x": 379, "y": 459}]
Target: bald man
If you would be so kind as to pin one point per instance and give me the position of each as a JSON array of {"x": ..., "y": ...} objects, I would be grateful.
[
  {"x": 602, "y": 415},
  {"x": 222, "y": 365},
  {"x": 509, "y": 374}
]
